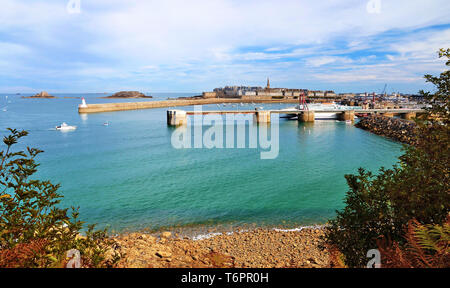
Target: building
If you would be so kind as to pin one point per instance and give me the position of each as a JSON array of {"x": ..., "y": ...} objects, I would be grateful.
[
  {"x": 235, "y": 91},
  {"x": 255, "y": 92},
  {"x": 330, "y": 94},
  {"x": 347, "y": 95}
]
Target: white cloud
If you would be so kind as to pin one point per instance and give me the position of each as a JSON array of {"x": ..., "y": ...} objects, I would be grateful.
[
  {"x": 170, "y": 30},
  {"x": 209, "y": 40},
  {"x": 324, "y": 60},
  {"x": 423, "y": 45}
]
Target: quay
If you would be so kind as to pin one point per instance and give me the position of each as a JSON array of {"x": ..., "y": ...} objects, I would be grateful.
[
  {"x": 179, "y": 117},
  {"x": 111, "y": 107}
]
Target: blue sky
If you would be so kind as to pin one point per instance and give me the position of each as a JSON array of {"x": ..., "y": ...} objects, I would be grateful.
[{"x": 193, "y": 46}]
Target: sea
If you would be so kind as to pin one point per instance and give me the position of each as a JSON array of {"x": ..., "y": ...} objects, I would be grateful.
[{"x": 128, "y": 176}]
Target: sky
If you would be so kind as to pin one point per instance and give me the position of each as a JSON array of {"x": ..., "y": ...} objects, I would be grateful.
[{"x": 79, "y": 46}]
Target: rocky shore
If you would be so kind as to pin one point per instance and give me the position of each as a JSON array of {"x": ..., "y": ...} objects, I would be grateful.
[
  {"x": 260, "y": 248},
  {"x": 394, "y": 128},
  {"x": 128, "y": 94}
]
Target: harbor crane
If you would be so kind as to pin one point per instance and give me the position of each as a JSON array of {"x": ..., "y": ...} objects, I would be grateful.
[{"x": 383, "y": 93}]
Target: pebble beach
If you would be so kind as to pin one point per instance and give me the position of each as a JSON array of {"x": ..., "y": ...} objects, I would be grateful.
[{"x": 260, "y": 248}]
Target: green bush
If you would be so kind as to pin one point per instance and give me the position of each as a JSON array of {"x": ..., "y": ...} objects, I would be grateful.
[
  {"x": 34, "y": 231},
  {"x": 416, "y": 188}
]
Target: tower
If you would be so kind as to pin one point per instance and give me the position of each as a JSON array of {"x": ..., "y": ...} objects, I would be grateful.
[
  {"x": 83, "y": 103},
  {"x": 268, "y": 83}
]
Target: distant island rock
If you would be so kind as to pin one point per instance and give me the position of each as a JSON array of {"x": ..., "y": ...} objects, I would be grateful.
[
  {"x": 43, "y": 94},
  {"x": 128, "y": 94}
]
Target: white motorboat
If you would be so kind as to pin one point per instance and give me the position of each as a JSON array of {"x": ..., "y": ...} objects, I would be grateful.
[{"x": 65, "y": 127}]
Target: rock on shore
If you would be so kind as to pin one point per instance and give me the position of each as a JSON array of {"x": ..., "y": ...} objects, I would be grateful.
[
  {"x": 128, "y": 94},
  {"x": 394, "y": 128},
  {"x": 258, "y": 248}
]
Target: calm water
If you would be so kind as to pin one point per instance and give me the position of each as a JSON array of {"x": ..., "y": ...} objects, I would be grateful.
[{"x": 128, "y": 176}]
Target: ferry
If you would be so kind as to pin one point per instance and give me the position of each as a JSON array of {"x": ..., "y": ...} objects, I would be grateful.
[{"x": 317, "y": 107}]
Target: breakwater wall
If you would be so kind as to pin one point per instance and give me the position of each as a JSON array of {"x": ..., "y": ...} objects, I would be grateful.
[
  {"x": 394, "y": 128},
  {"x": 110, "y": 107}
]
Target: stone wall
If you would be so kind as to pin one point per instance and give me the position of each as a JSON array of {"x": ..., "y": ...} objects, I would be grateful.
[
  {"x": 256, "y": 97},
  {"x": 209, "y": 95},
  {"x": 110, "y": 107},
  {"x": 394, "y": 128}
]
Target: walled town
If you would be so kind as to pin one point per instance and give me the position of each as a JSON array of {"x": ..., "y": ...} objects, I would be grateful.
[{"x": 368, "y": 100}]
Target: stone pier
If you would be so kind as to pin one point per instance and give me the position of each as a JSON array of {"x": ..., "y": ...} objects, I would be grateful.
[
  {"x": 262, "y": 116},
  {"x": 409, "y": 116},
  {"x": 176, "y": 117},
  {"x": 387, "y": 114},
  {"x": 306, "y": 116},
  {"x": 347, "y": 115},
  {"x": 110, "y": 107}
]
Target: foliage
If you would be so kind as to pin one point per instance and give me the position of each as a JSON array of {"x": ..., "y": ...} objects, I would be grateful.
[
  {"x": 367, "y": 215},
  {"x": 440, "y": 106},
  {"x": 24, "y": 254},
  {"x": 336, "y": 257},
  {"x": 427, "y": 246},
  {"x": 34, "y": 231},
  {"x": 416, "y": 188}
]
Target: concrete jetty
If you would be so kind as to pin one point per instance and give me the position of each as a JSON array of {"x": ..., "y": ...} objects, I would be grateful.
[
  {"x": 306, "y": 116},
  {"x": 110, "y": 107},
  {"x": 176, "y": 117}
]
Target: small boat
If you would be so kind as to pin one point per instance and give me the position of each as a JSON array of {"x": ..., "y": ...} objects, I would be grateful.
[
  {"x": 65, "y": 127},
  {"x": 106, "y": 123}
]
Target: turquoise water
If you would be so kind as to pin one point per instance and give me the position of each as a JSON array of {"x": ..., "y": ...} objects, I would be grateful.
[{"x": 128, "y": 176}]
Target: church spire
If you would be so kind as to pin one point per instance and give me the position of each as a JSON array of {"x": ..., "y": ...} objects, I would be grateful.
[{"x": 268, "y": 83}]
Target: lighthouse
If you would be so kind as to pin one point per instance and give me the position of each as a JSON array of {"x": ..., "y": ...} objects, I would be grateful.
[{"x": 83, "y": 103}]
